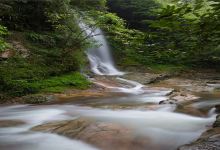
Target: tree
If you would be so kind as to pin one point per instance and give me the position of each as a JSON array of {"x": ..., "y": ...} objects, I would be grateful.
[{"x": 136, "y": 13}]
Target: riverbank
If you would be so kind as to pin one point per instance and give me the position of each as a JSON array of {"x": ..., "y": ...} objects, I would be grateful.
[{"x": 186, "y": 86}]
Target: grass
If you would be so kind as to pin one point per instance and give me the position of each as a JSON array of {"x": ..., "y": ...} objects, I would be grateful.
[
  {"x": 54, "y": 84},
  {"x": 61, "y": 83},
  {"x": 160, "y": 68}
]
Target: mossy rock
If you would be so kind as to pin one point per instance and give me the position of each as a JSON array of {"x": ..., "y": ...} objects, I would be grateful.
[{"x": 38, "y": 99}]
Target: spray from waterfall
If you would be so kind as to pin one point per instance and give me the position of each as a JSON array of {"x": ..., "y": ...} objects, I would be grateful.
[{"x": 100, "y": 58}]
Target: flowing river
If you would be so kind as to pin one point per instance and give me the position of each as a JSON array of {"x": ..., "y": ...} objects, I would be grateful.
[{"x": 138, "y": 109}]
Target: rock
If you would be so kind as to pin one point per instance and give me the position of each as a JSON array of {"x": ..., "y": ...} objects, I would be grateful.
[
  {"x": 217, "y": 107},
  {"x": 169, "y": 101},
  {"x": 10, "y": 123},
  {"x": 190, "y": 111},
  {"x": 80, "y": 95},
  {"x": 146, "y": 78},
  {"x": 17, "y": 48},
  {"x": 6, "y": 54},
  {"x": 209, "y": 140},
  {"x": 104, "y": 135},
  {"x": 180, "y": 97},
  {"x": 37, "y": 99},
  {"x": 20, "y": 49},
  {"x": 184, "y": 97},
  {"x": 217, "y": 122},
  {"x": 66, "y": 128}
]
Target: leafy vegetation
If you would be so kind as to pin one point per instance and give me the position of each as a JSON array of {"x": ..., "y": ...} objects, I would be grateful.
[
  {"x": 176, "y": 32},
  {"x": 3, "y": 33},
  {"x": 53, "y": 50},
  {"x": 168, "y": 34},
  {"x": 135, "y": 12}
]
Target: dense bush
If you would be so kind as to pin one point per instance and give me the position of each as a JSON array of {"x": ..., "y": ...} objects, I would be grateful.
[{"x": 54, "y": 42}]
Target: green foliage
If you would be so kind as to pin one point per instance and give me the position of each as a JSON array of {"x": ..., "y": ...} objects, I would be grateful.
[
  {"x": 193, "y": 40},
  {"x": 47, "y": 40},
  {"x": 24, "y": 14},
  {"x": 173, "y": 32},
  {"x": 88, "y": 4},
  {"x": 54, "y": 42},
  {"x": 24, "y": 78},
  {"x": 136, "y": 12},
  {"x": 172, "y": 37},
  {"x": 75, "y": 80},
  {"x": 126, "y": 43},
  {"x": 3, "y": 33},
  {"x": 160, "y": 68},
  {"x": 152, "y": 32},
  {"x": 64, "y": 22}
]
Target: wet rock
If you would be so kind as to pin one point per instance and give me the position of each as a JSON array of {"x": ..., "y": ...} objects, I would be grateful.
[
  {"x": 188, "y": 84},
  {"x": 104, "y": 135},
  {"x": 215, "y": 85},
  {"x": 179, "y": 97},
  {"x": 80, "y": 95},
  {"x": 10, "y": 123},
  {"x": 160, "y": 78},
  {"x": 209, "y": 145},
  {"x": 209, "y": 140},
  {"x": 190, "y": 111},
  {"x": 217, "y": 107},
  {"x": 183, "y": 97},
  {"x": 170, "y": 101},
  {"x": 37, "y": 99},
  {"x": 146, "y": 78},
  {"x": 217, "y": 122},
  {"x": 67, "y": 128}
]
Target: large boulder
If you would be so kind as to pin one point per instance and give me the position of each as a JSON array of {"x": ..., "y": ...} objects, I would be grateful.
[{"x": 104, "y": 135}]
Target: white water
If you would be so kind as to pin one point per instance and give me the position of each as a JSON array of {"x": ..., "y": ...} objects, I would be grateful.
[
  {"x": 102, "y": 63},
  {"x": 135, "y": 89},
  {"x": 21, "y": 138},
  {"x": 160, "y": 126},
  {"x": 100, "y": 58}
]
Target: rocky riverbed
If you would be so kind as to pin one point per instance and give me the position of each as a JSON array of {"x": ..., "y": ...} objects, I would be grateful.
[{"x": 164, "y": 114}]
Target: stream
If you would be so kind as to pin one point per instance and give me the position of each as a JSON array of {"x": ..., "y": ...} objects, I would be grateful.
[{"x": 137, "y": 109}]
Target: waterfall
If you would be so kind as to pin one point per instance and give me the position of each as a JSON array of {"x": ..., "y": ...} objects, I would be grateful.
[
  {"x": 100, "y": 58},
  {"x": 102, "y": 63}
]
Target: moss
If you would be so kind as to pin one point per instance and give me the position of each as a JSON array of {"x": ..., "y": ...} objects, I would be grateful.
[
  {"x": 52, "y": 84},
  {"x": 60, "y": 83}
]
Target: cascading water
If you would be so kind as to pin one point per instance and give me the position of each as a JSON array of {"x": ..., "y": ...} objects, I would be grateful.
[
  {"x": 164, "y": 128},
  {"x": 102, "y": 63},
  {"x": 100, "y": 58}
]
